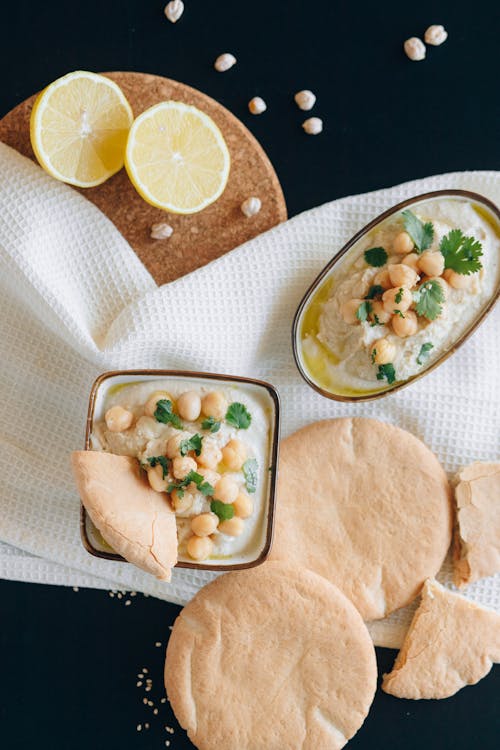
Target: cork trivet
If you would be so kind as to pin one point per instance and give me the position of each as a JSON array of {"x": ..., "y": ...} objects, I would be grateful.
[{"x": 199, "y": 238}]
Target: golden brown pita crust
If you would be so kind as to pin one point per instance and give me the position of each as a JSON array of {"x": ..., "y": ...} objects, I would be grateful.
[
  {"x": 476, "y": 544},
  {"x": 451, "y": 643},
  {"x": 366, "y": 505},
  {"x": 135, "y": 520},
  {"x": 273, "y": 658}
]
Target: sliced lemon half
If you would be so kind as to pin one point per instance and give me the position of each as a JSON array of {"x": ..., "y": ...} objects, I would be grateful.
[
  {"x": 177, "y": 158},
  {"x": 79, "y": 127}
]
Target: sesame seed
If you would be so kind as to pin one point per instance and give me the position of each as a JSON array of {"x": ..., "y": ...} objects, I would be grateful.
[
  {"x": 139, "y": 727},
  {"x": 119, "y": 595},
  {"x": 138, "y": 684},
  {"x": 147, "y": 689},
  {"x": 146, "y": 726},
  {"x": 133, "y": 593},
  {"x": 145, "y": 701},
  {"x": 155, "y": 711},
  {"x": 140, "y": 675},
  {"x": 167, "y": 743},
  {"x": 150, "y": 703},
  {"x": 75, "y": 588},
  {"x": 128, "y": 602},
  {"x": 145, "y": 670},
  {"x": 111, "y": 593},
  {"x": 163, "y": 700}
]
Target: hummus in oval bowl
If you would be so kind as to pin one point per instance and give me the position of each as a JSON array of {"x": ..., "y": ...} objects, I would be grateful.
[
  {"x": 401, "y": 297},
  {"x": 208, "y": 446}
]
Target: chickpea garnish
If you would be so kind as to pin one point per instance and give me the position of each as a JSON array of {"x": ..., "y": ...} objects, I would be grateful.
[
  {"x": 378, "y": 312},
  {"x": 181, "y": 504},
  {"x": 189, "y": 406},
  {"x": 399, "y": 298},
  {"x": 209, "y": 475},
  {"x": 382, "y": 279},
  {"x": 199, "y": 547},
  {"x": 214, "y": 404},
  {"x": 349, "y": 309},
  {"x": 182, "y": 465},
  {"x": 234, "y": 454},
  {"x": 156, "y": 480},
  {"x": 402, "y": 275},
  {"x": 210, "y": 456},
  {"x": 204, "y": 524},
  {"x": 431, "y": 263},
  {"x": 411, "y": 260},
  {"x": 152, "y": 402},
  {"x": 118, "y": 419},
  {"x": 403, "y": 243},
  {"x": 382, "y": 352},
  {"x": 405, "y": 326},
  {"x": 243, "y": 505},
  {"x": 173, "y": 447},
  {"x": 457, "y": 280},
  {"x": 226, "y": 490},
  {"x": 233, "y": 526}
]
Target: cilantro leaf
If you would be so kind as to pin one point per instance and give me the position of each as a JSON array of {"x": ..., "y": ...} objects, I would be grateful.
[
  {"x": 159, "y": 461},
  {"x": 429, "y": 299},
  {"x": 421, "y": 234},
  {"x": 363, "y": 310},
  {"x": 375, "y": 291},
  {"x": 424, "y": 352},
  {"x": 386, "y": 371},
  {"x": 399, "y": 295},
  {"x": 250, "y": 474},
  {"x": 204, "y": 487},
  {"x": 163, "y": 413},
  {"x": 398, "y": 312},
  {"x": 238, "y": 416},
  {"x": 224, "y": 511},
  {"x": 461, "y": 253},
  {"x": 373, "y": 355},
  {"x": 376, "y": 321},
  {"x": 210, "y": 423},
  {"x": 191, "y": 444},
  {"x": 376, "y": 256}
]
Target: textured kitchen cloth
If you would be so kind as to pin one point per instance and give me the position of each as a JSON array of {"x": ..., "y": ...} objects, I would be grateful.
[{"x": 76, "y": 301}]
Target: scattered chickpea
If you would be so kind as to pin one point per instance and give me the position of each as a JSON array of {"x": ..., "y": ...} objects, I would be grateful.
[
  {"x": 442, "y": 282},
  {"x": 173, "y": 446},
  {"x": 214, "y": 404},
  {"x": 199, "y": 547},
  {"x": 406, "y": 326},
  {"x": 414, "y": 48},
  {"x": 152, "y": 402},
  {"x": 243, "y": 505},
  {"x": 210, "y": 456},
  {"x": 435, "y": 35},
  {"x": 431, "y": 263},
  {"x": 403, "y": 243},
  {"x": 348, "y": 310},
  {"x": 204, "y": 524},
  {"x": 181, "y": 504},
  {"x": 383, "y": 351},
  {"x": 209, "y": 475},
  {"x": 411, "y": 260},
  {"x": 402, "y": 294},
  {"x": 234, "y": 454},
  {"x": 189, "y": 406},
  {"x": 233, "y": 526},
  {"x": 382, "y": 279},
  {"x": 257, "y": 105},
  {"x": 402, "y": 275},
  {"x": 378, "y": 309},
  {"x": 226, "y": 490},
  {"x": 457, "y": 280},
  {"x": 182, "y": 465},
  {"x": 156, "y": 480},
  {"x": 118, "y": 419}
]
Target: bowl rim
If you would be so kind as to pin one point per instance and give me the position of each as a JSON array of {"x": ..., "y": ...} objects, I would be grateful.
[
  {"x": 274, "y": 394},
  {"x": 476, "y": 197}
]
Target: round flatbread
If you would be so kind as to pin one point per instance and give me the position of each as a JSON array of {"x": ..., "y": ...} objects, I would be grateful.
[
  {"x": 366, "y": 505},
  {"x": 274, "y": 657}
]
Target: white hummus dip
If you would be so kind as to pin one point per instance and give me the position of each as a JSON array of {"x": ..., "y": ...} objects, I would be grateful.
[
  {"x": 228, "y": 453},
  {"x": 350, "y": 348}
]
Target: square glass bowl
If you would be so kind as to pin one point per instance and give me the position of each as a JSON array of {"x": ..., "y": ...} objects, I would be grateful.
[{"x": 258, "y": 551}]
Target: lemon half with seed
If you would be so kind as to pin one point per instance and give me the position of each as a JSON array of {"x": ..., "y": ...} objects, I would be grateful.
[
  {"x": 79, "y": 127},
  {"x": 177, "y": 158}
]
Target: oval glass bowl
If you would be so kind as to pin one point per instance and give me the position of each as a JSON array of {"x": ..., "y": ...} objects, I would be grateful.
[{"x": 305, "y": 322}]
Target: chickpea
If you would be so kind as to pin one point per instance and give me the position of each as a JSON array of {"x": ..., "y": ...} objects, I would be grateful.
[
  {"x": 214, "y": 404},
  {"x": 156, "y": 480},
  {"x": 406, "y": 326},
  {"x": 173, "y": 446},
  {"x": 226, "y": 490},
  {"x": 181, "y": 504},
  {"x": 403, "y": 243},
  {"x": 348, "y": 310},
  {"x": 199, "y": 547},
  {"x": 209, "y": 475},
  {"x": 378, "y": 310},
  {"x": 390, "y": 297},
  {"x": 118, "y": 419},
  {"x": 431, "y": 263},
  {"x": 442, "y": 282},
  {"x": 210, "y": 456},
  {"x": 402, "y": 275},
  {"x": 382, "y": 279},
  {"x": 383, "y": 351},
  {"x": 204, "y": 524},
  {"x": 234, "y": 454},
  {"x": 457, "y": 280},
  {"x": 152, "y": 402},
  {"x": 411, "y": 260},
  {"x": 182, "y": 465},
  {"x": 233, "y": 526},
  {"x": 243, "y": 505},
  {"x": 189, "y": 406}
]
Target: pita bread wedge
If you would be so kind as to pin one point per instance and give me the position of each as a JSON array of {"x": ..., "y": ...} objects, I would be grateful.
[
  {"x": 366, "y": 505},
  {"x": 451, "y": 643},
  {"x": 135, "y": 520},
  {"x": 271, "y": 658},
  {"x": 476, "y": 545}
]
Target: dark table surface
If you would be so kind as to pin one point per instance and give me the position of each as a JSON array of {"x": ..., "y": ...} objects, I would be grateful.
[{"x": 70, "y": 660}]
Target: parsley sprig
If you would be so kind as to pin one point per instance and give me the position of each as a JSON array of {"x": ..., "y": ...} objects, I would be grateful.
[
  {"x": 164, "y": 413},
  {"x": 429, "y": 299},
  {"x": 421, "y": 234},
  {"x": 461, "y": 253}
]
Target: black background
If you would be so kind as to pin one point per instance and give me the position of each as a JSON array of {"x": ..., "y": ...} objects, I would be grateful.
[{"x": 69, "y": 660}]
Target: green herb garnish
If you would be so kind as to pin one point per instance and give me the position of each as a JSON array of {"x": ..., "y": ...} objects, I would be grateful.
[
  {"x": 421, "y": 234},
  {"x": 461, "y": 253},
  {"x": 374, "y": 354},
  {"x": 424, "y": 352},
  {"x": 163, "y": 413},
  {"x": 386, "y": 372},
  {"x": 224, "y": 511},
  {"x": 191, "y": 444},
  {"x": 238, "y": 416},
  {"x": 204, "y": 487},
  {"x": 374, "y": 291},
  {"x": 376, "y": 256},
  {"x": 429, "y": 299},
  {"x": 159, "y": 461},
  {"x": 211, "y": 424},
  {"x": 398, "y": 312},
  {"x": 376, "y": 321},
  {"x": 399, "y": 295},
  {"x": 250, "y": 473},
  {"x": 364, "y": 310}
]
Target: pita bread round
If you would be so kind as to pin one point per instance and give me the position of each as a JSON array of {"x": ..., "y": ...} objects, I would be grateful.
[
  {"x": 274, "y": 657},
  {"x": 366, "y": 505}
]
